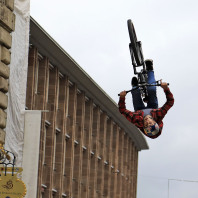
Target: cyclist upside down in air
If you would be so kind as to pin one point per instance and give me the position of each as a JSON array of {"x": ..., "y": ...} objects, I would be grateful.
[{"x": 148, "y": 119}]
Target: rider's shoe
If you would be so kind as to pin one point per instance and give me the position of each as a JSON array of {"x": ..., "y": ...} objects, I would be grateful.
[
  {"x": 149, "y": 64},
  {"x": 134, "y": 81}
]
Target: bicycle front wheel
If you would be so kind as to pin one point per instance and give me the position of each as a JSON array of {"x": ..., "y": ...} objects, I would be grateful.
[{"x": 136, "y": 46}]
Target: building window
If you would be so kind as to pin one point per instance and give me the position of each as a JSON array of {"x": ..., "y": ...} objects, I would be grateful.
[
  {"x": 54, "y": 157},
  {"x": 44, "y": 144},
  {"x": 36, "y": 77}
]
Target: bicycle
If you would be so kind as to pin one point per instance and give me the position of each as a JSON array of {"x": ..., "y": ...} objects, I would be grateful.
[{"x": 135, "y": 48}]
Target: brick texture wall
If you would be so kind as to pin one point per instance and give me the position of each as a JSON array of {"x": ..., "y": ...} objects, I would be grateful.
[
  {"x": 7, "y": 25},
  {"x": 83, "y": 152}
]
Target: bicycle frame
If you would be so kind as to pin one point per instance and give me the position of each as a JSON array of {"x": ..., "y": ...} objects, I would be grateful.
[
  {"x": 142, "y": 74},
  {"x": 136, "y": 52},
  {"x": 135, "y": 65}
]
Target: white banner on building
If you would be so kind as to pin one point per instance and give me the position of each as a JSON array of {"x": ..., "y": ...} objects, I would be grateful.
[{"x": 18, "y": 80}]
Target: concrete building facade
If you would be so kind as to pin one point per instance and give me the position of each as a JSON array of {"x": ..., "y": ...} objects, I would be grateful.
[
  {"x": 82, "y": 147},
  {"x": 87, "y": 148}
]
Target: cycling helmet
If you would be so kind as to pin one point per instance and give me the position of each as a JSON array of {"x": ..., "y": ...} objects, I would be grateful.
[{"x": 152, "y": 130}]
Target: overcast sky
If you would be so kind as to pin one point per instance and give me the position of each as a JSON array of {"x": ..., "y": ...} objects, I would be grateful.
[{"x": 95, "y": 35}]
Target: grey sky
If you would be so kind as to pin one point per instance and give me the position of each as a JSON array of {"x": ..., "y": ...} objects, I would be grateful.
[{"x": 95, "y": 34}]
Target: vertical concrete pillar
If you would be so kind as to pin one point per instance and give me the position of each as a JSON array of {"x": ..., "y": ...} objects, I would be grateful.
[{"x": 31, "y": 151}]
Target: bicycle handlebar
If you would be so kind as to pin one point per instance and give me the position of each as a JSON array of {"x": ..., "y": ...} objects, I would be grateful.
[{"x": 142, "y": 85}]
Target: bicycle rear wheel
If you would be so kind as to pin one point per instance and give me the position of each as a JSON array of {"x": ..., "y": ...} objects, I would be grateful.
[{"x": 136, "y": 45}]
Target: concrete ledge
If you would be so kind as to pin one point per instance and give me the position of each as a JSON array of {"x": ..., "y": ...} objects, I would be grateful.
[
  {"x": 10, "y": 4},
  {"x": 5, "y": 55},
  {"x": 3, "y": 100},
  {"x": 3, "y": 119},
  {"x": 2, "y": 136},
  {"x": 4, "y": 70},
  {"x": 7, "y": 18},
  {"x": 3, "y": 85},
  {"x": 3, "y": 2},
  {"x": 5, "y": 38}
]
